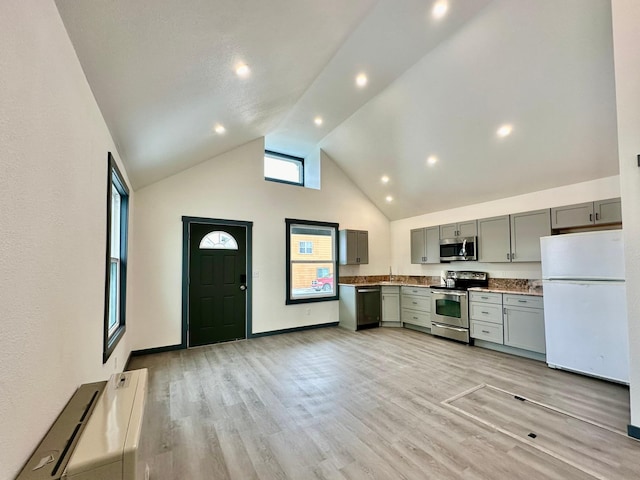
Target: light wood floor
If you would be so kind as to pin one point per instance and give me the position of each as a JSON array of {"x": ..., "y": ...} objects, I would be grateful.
[{"x": 335, "y": 404}]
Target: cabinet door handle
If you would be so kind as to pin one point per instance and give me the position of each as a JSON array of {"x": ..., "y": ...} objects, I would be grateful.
[
  {"x": 486, "y": 331},
  {"x": 597, "y": 217},
  {"x": 508, "y": 256},
  {"x": 504, "y": 310},
  {"x": 485, "y": 313},
  {"x": 522, "y": 301},
  {"x": 484, "y": 298},
  {"x": 591, "y": 217}
]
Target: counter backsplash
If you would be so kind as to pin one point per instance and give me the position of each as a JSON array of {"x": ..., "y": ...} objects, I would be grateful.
[
  {"x": 413, "y": 279},
  {"x": 497, "y": 283}
]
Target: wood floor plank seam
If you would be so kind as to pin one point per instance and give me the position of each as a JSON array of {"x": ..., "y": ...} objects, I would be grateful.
[
  {"x": 331, "y": 404},
  {"x": 449, "y": 404}
]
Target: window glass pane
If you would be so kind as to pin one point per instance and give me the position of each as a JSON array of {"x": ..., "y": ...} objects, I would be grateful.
[
  {"x": 114, "y": 280},
  {"x": 218, "y": 240},
  {"x": 284, "y": 169},
  {"x": 115, "y": 222},
  {"x": 312, "y": 262}
]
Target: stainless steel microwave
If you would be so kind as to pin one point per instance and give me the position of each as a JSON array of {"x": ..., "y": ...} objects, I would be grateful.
[{"x": 459, "y": 248}]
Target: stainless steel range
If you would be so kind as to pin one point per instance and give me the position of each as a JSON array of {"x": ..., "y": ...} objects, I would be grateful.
[{"x": 449, "y": 304}]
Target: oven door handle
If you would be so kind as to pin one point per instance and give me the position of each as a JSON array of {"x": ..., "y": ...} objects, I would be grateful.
[
  {"x": 448, "y": 294},
  {"x": 442, "y": 325}
]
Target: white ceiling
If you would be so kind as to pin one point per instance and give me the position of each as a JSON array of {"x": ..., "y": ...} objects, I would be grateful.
[{"x": 163, "y": 75}]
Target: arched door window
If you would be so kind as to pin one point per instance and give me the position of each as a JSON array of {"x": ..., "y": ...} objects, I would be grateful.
[{"x": 218, "y": 241}]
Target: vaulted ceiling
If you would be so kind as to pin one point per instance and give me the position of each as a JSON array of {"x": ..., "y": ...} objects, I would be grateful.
[{"x": 163, "y": 74}]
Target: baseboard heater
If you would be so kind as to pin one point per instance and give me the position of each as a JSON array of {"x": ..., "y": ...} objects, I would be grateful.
[{"x": 97, "y": 434}]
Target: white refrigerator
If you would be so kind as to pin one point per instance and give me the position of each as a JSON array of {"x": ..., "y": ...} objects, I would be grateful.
[{"x": 585, "y": 309}]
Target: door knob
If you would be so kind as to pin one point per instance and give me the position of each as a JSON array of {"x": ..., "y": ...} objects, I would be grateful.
[{"x": 243, "y": 287}]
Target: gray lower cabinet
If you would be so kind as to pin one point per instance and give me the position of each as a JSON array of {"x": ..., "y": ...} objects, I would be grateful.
[
  {"x": 415, "y": 306},
  {"x": 508, "y": 319},
  {"x": 589, "y": 213},
  {"x": 485, "y": 315},
  {"x": 354, "y": 247},
  {"x": 513, "y": 238},
  {"x": 390, "y": 304},
  {"x": 523, "y": 318},
  {"x": 425, "y": 245}
]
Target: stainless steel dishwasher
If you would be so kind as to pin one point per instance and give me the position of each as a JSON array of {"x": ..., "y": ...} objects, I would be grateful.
[{"x": 368, "y": 307}]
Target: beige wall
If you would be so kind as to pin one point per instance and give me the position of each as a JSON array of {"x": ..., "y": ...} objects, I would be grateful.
[
  {"x": 53, "y": 179},
  {"x": 626, "y": 41},
  {"x": 231, "y": 186}
]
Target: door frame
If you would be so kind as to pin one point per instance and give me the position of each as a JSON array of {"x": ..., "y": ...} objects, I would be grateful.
[{"x": 186, "y": 254}]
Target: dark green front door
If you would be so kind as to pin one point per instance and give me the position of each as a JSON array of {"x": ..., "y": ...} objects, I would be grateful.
[{"x": 217, "y": 283}]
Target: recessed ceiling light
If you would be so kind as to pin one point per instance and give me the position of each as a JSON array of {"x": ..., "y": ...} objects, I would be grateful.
[
  {"x": 384, "y": 179},
  {"x": 389, "y": 198},
  {"x": 432, "y": 160},
  {"x": 504, "y": 130},
  {"x": 317, "y": 121},
  {"x": 219, "y": 129},
  {"x": 243, "y": 70},
  {"x": 361, "y": 80},
  {"x": 439, "y": 9}
]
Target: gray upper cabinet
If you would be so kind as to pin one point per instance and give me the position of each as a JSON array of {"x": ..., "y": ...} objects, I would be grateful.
[
  {"x": 569, "y": 216},
  {"x": 460, "y": 229},
  {"x": 513, "y": 238},
  {"x": 425, "y": 245},
  {"x": 607, "y": 211},
  {"x": 585, "y": 214},
  {"x": 494, "y": 239},
  {"x": 526, "y": 230},
  {"x": 354, "y": 247}
]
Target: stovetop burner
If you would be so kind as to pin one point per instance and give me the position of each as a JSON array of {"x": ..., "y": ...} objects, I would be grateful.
[{"x": 463, "y": 280}]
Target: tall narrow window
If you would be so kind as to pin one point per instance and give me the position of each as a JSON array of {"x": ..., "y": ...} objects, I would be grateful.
[
  {"x": 116, "y": 271},
  {"x": 282, "y": 168},
  {"x": 312, "y": 256}
]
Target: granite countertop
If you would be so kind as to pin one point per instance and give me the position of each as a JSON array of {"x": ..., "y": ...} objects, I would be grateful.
[
  {"x": 537, "y": 292},
  {"x": 517, "y": 290},
  {"x": 385, "y": 284}
]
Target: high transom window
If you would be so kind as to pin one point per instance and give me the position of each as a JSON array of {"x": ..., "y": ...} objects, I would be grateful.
[{"x": 282, "y": 168}]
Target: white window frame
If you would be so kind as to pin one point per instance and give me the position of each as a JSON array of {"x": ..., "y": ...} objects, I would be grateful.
[{"x": 305, "y": 248}]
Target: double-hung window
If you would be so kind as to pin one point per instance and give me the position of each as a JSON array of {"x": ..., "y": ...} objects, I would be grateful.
[
  {"x": 116, "y": 271},
  {"x": 312, "y": 261}
]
